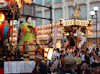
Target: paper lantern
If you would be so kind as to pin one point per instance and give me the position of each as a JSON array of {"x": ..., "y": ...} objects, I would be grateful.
[
  {"x": 46, "y": 52},
  {"x": 58, "y": 29},
  {"x": 48, "y": 26},
  {"x": 44, "y": 26},
  {"x": 2, "y": 1},
  {"x": 91, "y": 28},
  {"x": 50, "y": 53},
  {"x": 14, "y": 34},
  {"x": 56, "y": 24},
  {"x": 28, "y": 1},
  {"x": 50, "y": 30},
  {"x": 90, "y": 33},
  {"x": 82, "y": 33},
  {"x": 53, "y": 25},
  {"x": 10, "y": 38},
  {"x": 14, "y": 29},
  {"x": 41, "y": 26},
  {"x": 45, "y": 31},
  {"x": 15, "y": 38},
  {"x": 52, "y": 35},
  {"x": 2, "y": 17},
  {"x": 58, "y": 34}
]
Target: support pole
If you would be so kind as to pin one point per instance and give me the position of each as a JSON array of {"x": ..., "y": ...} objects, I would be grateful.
[
  {"x": 97, "y": 28},
  {"x": 11, "y": 47}
]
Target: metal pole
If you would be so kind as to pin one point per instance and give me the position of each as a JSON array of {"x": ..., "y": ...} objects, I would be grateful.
[{"x": 96, "y": 29}]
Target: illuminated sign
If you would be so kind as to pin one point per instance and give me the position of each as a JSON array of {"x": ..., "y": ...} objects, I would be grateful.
[{"x": 76, "y": 22}]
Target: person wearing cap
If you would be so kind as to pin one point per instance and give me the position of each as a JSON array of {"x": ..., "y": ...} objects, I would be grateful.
[
  {"x": 94, "y": 68},
  {"x": 40, "y": 67},
  {"x": 69, "y": 63}
]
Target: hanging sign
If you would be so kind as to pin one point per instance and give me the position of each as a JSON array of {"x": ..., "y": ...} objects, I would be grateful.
[{"x": 19, "y": 67}]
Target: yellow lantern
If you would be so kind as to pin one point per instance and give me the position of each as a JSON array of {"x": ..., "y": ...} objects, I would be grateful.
[
  {"x": 82, "y": 33},
  {"x": 50, "y": 53},
  {"x": 2, "y": 17}
]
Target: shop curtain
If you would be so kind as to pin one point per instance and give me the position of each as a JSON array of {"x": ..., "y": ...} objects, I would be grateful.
[
  {"x": 48, "y": 1},
  {"x": 58, "y": 14},
  {"x": 98, "y": 13},
  {"x": 47, "y": 15},
  {"x": 38, "y": 20},
  {"x": 58, "y": 0},
  {"x": 39, "y": 2}
]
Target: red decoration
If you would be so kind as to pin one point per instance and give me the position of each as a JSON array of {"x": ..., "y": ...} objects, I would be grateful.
[{"x": 1, "y": 30}]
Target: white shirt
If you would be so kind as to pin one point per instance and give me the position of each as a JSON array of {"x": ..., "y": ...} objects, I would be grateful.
[{"x": 83, "y": 57}]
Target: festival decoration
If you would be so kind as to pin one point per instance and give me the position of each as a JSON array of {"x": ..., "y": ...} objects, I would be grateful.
[
  {"x": 50, "y": 53},
  {"x": 2, "y": 17},
  {"x": 46, "y": 52}
]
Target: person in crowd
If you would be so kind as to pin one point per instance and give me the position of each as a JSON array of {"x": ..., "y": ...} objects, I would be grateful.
[
  {"x": 82, "y": 56},
  {"x": 66, "y": 52},
  {"x": 87, "y": 57},
  {"x": 51, "y": 68},
  {"x": 40, "y": 67},
  {"x": 69, "y": 63},
  {"x": 78, "y": 62},
  {"x": 94, "y": 68},
  {"x": 84, "y": 68},
  {"x": 61, "y": 60}
]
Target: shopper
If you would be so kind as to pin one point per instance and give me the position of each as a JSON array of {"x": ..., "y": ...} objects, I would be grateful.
[
  {"x": 68, "y": 65},
  {"x": 94, "y": 68},
  {"x": 40, "y": 67}
]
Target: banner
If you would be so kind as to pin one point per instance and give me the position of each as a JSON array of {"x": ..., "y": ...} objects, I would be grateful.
[{"x": 19, "y": 67}]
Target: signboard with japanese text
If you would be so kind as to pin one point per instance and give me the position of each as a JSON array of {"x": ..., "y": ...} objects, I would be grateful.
[{"x": 19, "y": 67}]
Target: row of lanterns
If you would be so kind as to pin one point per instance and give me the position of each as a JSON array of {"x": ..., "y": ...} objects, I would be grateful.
[
  {"x": 14, "y": 38},
  {"x": 46, "y": 35},
  {"x": 48, "y": 26}
]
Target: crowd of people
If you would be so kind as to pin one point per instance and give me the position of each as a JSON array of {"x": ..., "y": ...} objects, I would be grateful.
[{"x": 77, "y": 62}]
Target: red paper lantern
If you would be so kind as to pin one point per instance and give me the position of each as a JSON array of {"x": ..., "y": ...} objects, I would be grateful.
[
  {"x": 58, "y": 34},
  {"x": 58, "y": 29},
  {"x": 41, "y": 26},
  {"x": 44, "y": 26},
  {"x": 53, "y": 25},
  {"x": 90, "y": 33},
  {"x": 91, "y": 28},
  {"x": 47, "y": 26}
]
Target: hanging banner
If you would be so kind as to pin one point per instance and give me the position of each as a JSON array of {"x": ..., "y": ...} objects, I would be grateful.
[{"x": 19, "y": 67}]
